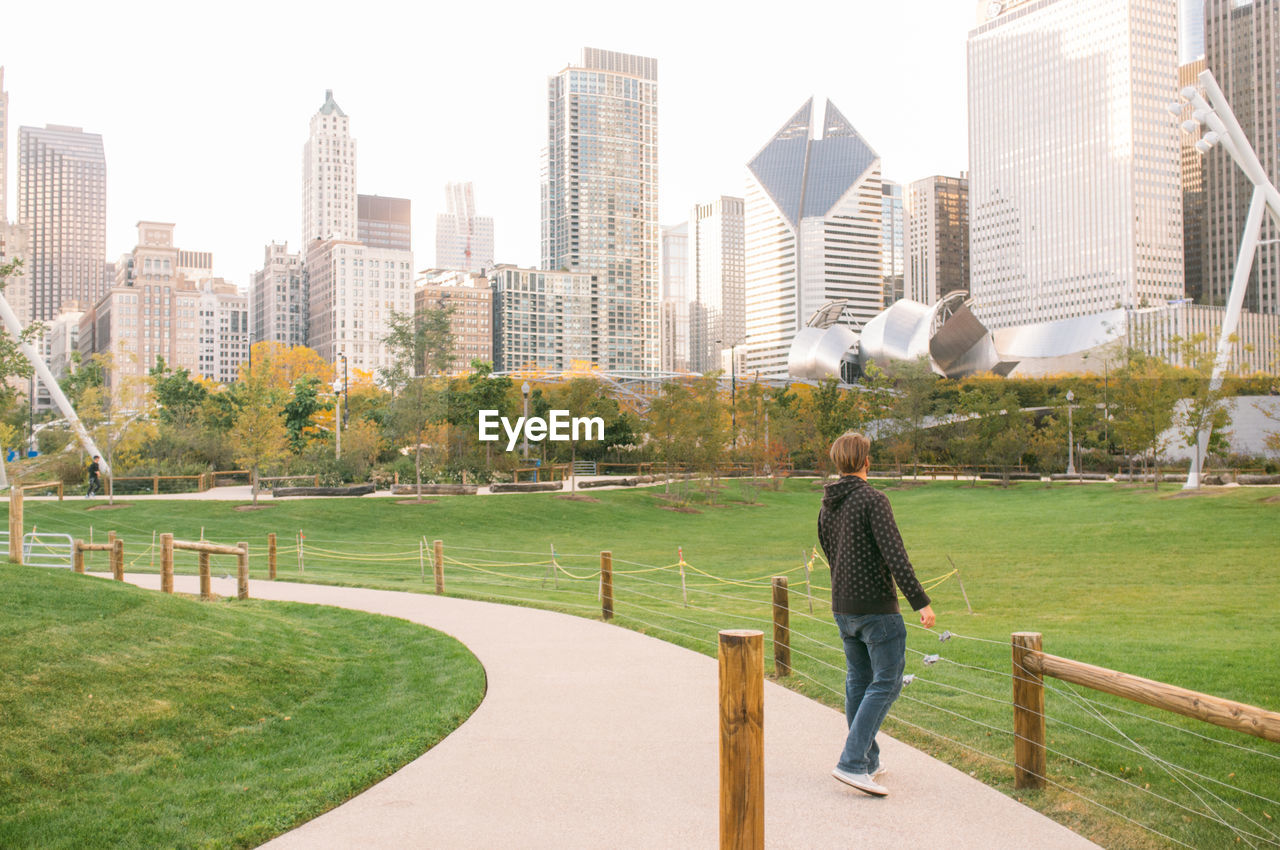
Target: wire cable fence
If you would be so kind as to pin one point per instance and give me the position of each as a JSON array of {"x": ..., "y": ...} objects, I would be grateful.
[{"x": 1178, "y": 782}]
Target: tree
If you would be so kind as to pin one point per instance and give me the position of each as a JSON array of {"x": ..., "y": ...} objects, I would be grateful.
[
  {"x": 1206, "y": 405},
  {"x": 280, "y": 366},
  {"x": 1142, "y": 399},
  {"x": 300, "y": 409},
  {"x": 258, "y": 433},
  {"x": 421, "y": 346},
  {"x": 118, "y": 416},
  {"x": 914, "y": 384},
  {"x": 668, "y": 425},
  {"x": 178, "y": 397}
]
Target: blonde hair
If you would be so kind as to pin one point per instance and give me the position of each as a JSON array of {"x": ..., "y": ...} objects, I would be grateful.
[{"x": 850, "y": 452}]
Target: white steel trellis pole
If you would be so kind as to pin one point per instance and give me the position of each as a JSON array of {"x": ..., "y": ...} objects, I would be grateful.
[{"x": 1211, "y": 109}]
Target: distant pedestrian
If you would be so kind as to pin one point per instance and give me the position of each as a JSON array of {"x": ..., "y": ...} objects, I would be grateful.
[
  {"x": 862, "y": 544},
  {"x": 95, "y": 481}
]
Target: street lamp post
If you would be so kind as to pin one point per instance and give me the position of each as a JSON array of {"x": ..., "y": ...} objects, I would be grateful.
[
  {"x": 524, "y": 391},
  {"x": 1071, "y": 436}
]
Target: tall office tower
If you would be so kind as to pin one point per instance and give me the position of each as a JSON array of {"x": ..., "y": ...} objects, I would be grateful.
[
  {"x": 893, "y": 244},
  {"x": 329, "y": 176},
  {"x": 600, "y": 196},
  {"x": 4, "y": 151},
  {"x": 1241, "y": 44},
  {"x": 469, "y": 297},
  {"x": 717, "y": 282},
  {"x": 813, "y": 233},
  {"x": 385, "y": 222},
  {"x": 1075, "y": 190},
  {"x": 464, "y": 240},
  {"x": 674, "y": 299},
  {"x": 544, "y": 319},
  {"x": 1195, "y": 211},
  {"x": 352, "y": 291},
  {"x": 277, "y": 299},
  {"x": 223, "y": 329},
  {"x": 62, "y": 204},
  {"x": 937, "y": 236},
  {"x": 1191, "y": 39}
]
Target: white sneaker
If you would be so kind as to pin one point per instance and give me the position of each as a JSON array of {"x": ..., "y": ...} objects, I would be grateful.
[{"x": 862, "y": 781}]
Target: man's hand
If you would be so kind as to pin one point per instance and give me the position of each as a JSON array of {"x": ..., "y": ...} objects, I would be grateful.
[{"x": 926, "y": 616}]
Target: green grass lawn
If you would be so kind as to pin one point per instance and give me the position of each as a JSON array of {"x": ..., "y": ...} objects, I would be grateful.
[
  {"x": 1184, "y": 590},
  {"x": 134, "y": 719}
]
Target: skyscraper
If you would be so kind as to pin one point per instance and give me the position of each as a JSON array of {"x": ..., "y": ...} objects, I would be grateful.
[
  {"x": 674, "y": 302},
  {"x": 813, "y": 233},
  {"x": 937, "y": 238},
  {"x": 464, "y": 240},
  {"x": 4, "y": 151},
  {"x": 278, "y": 307},
  {"x": 600, "y": 196},
  {"x": 893, "y": 243},
  {"x": 1191, "y": 40},
  {"x": 717, "y": 282},
  {"x": 62, "y": 204},
  {"x": 385, "y": 222},
  {"x": 329, "y": 176},
  {"x": 1241, "y": 41},
  {"x": 1075, "y": 183},
  {"x": 352, "y": 290},
  {"x": 1195, "y": 225}
]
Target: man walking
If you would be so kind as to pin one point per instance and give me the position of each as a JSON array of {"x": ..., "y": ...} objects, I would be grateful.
[
  {"x": 862, "y": 544},
  {"x": 94, "y": 480}
]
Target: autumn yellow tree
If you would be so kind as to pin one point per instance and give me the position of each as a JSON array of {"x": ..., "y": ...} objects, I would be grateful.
[{"x": 281, "y": 366}]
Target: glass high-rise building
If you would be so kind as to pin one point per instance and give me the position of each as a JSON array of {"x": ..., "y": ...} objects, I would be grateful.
[
  {"x": 1075, "y": 184},
  {"x": 674, "y": 307},
  {"x": 464, "y": 240},
  {"x": 813, "y": 233},
  {"x": 937, "y": 238},
  {"x": 600, "y": 197},
  {"x": 893, "y": 242},
  {"x": 62, "y": 205},
  {"x": 1241, "y": 44},
  {"x": 329, "y": 176},
  {"x": 717, "y": 275}
]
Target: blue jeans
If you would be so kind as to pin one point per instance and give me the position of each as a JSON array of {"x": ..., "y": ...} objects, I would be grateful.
[{"x": 875, "y": 649}]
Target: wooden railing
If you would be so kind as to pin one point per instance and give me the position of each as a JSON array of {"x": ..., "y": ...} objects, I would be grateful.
[
  {"x": 1031, "y": 665},
  {"x": 43, "y": 485}
]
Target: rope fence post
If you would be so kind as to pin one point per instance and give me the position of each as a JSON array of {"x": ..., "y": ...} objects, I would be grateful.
[
  {"x": 77, "y": 558},
  {"x": 206, "y": 589},
  {"x": 15, "y": 525},
  {"x": 606, "y": 585},
  {"x": 684, "y": 590},
  {"x": 153, "y": 549},
  {"x": 1028, "y": 714},
  {"x": 166, "y": 562},
  {"x": 242, "y": 570},
  {"x": 117, "y": 559},
  {"x": 271, "y": 555},
  {"x": 808, "y": 582},
  {"x": 781, "y": 627},
  {"x": 438, "y": 563},
  {"x": 422, "y": 558},
  {"x": 741, "y": 660},
  {"x": 301, "y": 541}
]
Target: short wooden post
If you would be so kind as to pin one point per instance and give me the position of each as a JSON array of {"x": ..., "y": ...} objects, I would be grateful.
[
  {"x": 301, "y": 555},
  {"x": 271, "y": 555},
  {"x": 77, "y": 559},
  {"x": 1030, "y": 764},
  {"x": 166, "y": 563},
  {"x": 741, "y": 656},
  {"x": 155, "y": 485},
  {"x": 111, "y": 537},
  {"x": 781, "y": 627},
  {"x": 242, "y": 571},
  {"x": 606, "y": 585},
  {"x": 117, "y": 559},
  {"x": 439, "y": 565},
  {"x": 15, "y": 524},
  {"x": 206, "y": 590}
]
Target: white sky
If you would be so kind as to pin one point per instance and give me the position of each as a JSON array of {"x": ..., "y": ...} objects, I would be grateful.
[{"x": 204, "y": 108}]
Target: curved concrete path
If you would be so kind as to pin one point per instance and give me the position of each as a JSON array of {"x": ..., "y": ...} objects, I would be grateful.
[{"x": 591, "y": 736}]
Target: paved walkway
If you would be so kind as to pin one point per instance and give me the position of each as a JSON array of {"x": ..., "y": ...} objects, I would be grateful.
[{"x": 591, "y": 736}]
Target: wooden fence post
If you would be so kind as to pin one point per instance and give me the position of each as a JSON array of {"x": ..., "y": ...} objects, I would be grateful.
[
  {"x": 781, "y": 627},
  {"x": 166, "y": 563},
  {"x": 117, "y": 559},
  {"x": 111, "y": 537},
  {"x": 741, "y": 656},
  {"x": 439, "y": 565},
  {"x": 606, "y": 585},
  {"x": 1030, "y": 764},
  {"x": 206, "y": 591},
  {"x": 271, "y": 555},
  {"x": 15, "y": 524},
  {"x": 242, "y": 571},
  {"x": 78, "y": 557}
]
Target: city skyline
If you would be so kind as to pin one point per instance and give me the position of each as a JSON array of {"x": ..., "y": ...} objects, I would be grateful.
[{"x": 165, "y": 164}]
